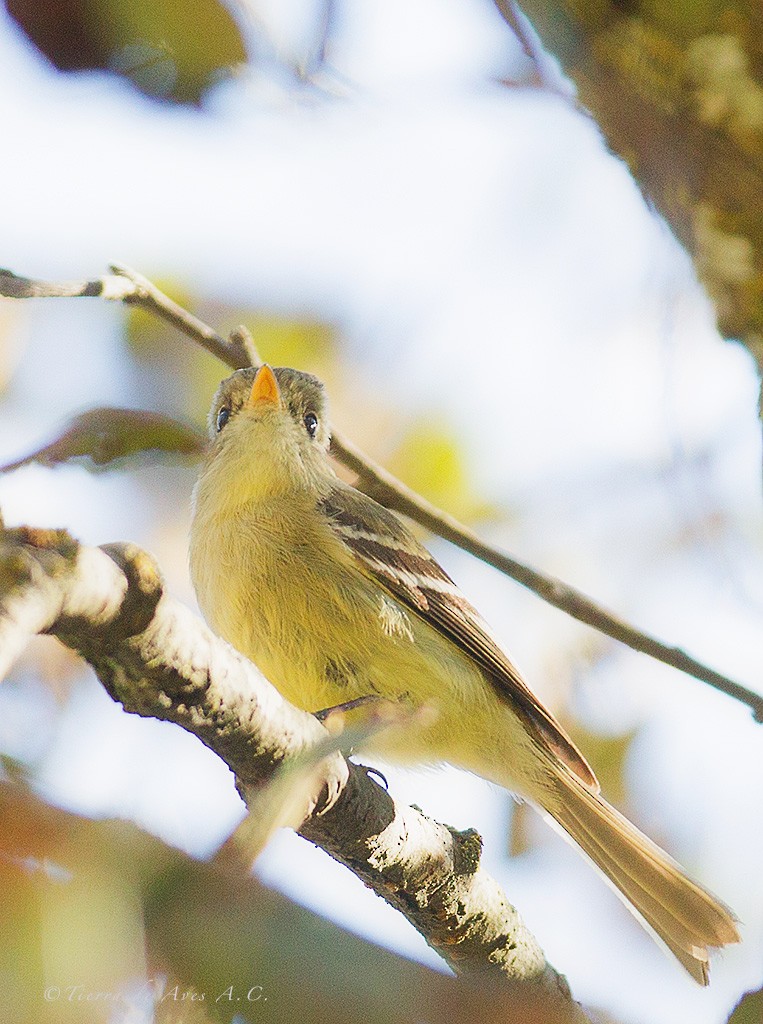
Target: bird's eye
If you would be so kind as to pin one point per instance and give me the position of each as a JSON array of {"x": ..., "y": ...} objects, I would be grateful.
[
  {"x": 222, "y": 417},
  {"x": 311, "y": 423}
]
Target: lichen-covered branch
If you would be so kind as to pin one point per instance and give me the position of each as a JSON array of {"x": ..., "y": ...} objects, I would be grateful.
[{"x": 157, "y": 659}]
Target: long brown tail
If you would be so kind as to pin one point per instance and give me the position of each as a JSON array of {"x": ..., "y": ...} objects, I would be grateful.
[{"x": 679, "y": 911}]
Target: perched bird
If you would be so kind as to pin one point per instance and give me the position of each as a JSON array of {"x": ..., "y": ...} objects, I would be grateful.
[{"x": 334, "y": 599}]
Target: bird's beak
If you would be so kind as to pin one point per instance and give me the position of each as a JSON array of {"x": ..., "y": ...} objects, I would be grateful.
[{"x": 265, "y": 388}]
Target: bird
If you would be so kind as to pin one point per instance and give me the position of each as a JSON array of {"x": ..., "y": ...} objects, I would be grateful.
[{"x": 335, "y": 600}]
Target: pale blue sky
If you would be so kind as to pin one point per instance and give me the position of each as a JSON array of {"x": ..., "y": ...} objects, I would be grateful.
[{"x": 486, "y": 258}]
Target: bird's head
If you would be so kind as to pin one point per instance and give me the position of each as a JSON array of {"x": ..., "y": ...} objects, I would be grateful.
[{"x": 268, "y": 432}]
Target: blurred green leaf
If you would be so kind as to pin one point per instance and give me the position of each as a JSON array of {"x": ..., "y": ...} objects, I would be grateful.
[
  {"x": 607, "y": 756},
  {"x": 749, "y": 1010},
  {"x": 430, "y": 459},
  {"x": 104, "y": 437},
  {"x": 167, "y": 50},
  {"x": 160, "y": 927},
  {"x": 183, "y": 376},
  {"x": 175, "y": 374},
  {"x": 291, "y": 341},
  {"x": 149, "y": 338}
]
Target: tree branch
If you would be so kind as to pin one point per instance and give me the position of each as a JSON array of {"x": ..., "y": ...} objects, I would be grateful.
[
  {"x": 125, "y": 285},
  {"x": 530, "y": 45},
  {"x": 394, "y": 494},
  {"x": 156, "y": 658},
  {"x": 240, "y": 350},
  {"x": 166, "y": 887}
]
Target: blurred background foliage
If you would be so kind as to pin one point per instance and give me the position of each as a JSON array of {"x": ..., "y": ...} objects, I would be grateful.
[
  {"x": 177, "y": 377},
  {"x": 168, "y": 50},
  {"x": 151, "y": 934},
  {"x": 677, "y": 90}
]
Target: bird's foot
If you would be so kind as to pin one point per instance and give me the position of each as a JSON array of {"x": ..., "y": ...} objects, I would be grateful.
[{"x": 348, "y": 705}]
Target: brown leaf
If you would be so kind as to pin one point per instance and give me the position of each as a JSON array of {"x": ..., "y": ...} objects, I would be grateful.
[
  {"x": 102, "y": 437},
  {"x": 169, "y": 51}
]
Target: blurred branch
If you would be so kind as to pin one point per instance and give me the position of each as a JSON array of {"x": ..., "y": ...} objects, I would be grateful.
[
  {"x": 677, "y": 91},
  {"x": 326, "y": 28},
  {"x": 531, "y": 48},
  {"x": 157, "y": 659},
  {"x": 240, "y": 351},
  {"x": 310, "y": 70},
  {"x": 189, "y": 910}
]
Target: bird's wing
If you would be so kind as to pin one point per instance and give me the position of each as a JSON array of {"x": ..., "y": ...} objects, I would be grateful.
[{"x": 386, "y": 550}]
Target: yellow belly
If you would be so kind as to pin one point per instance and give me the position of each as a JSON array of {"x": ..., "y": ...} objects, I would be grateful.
[{"x": 294, "y": 601}]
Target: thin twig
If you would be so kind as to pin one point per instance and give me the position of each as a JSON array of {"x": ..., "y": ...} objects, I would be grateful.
[
  {"x": 145, "y": 294},
  {"x": 325, "y": 30},
  {"x": 391, "y": 492},
  {"x": 386, "y": 488},
  {"x": 241, "y": 335},
  {"x": 126, "y": 285},
  {"x": 531, "y": 46}
]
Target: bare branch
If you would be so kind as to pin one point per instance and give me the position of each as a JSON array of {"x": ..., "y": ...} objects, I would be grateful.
[
  {"x": 145, "y": 294},
  {"x": 319, "y": 56},
  {"x": 14, "y": 287},
  {"x": 159, "y": 660},
  {"x": 391, "y": 492},
  {"x": 126, "y": 285},
  {"x": 240, "y": 351},
  {"x": 531, "y": 47},
  {"x": 241, "y": 335}
]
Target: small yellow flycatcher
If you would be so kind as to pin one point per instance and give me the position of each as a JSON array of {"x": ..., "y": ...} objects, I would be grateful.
[{"x": 334, "y": 599}]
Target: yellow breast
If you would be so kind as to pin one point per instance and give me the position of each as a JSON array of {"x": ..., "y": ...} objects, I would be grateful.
[{"x": 274, "y": 581}]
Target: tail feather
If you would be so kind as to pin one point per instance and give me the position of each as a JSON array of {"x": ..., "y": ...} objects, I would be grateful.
[{"x": 680, "y": 912}]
